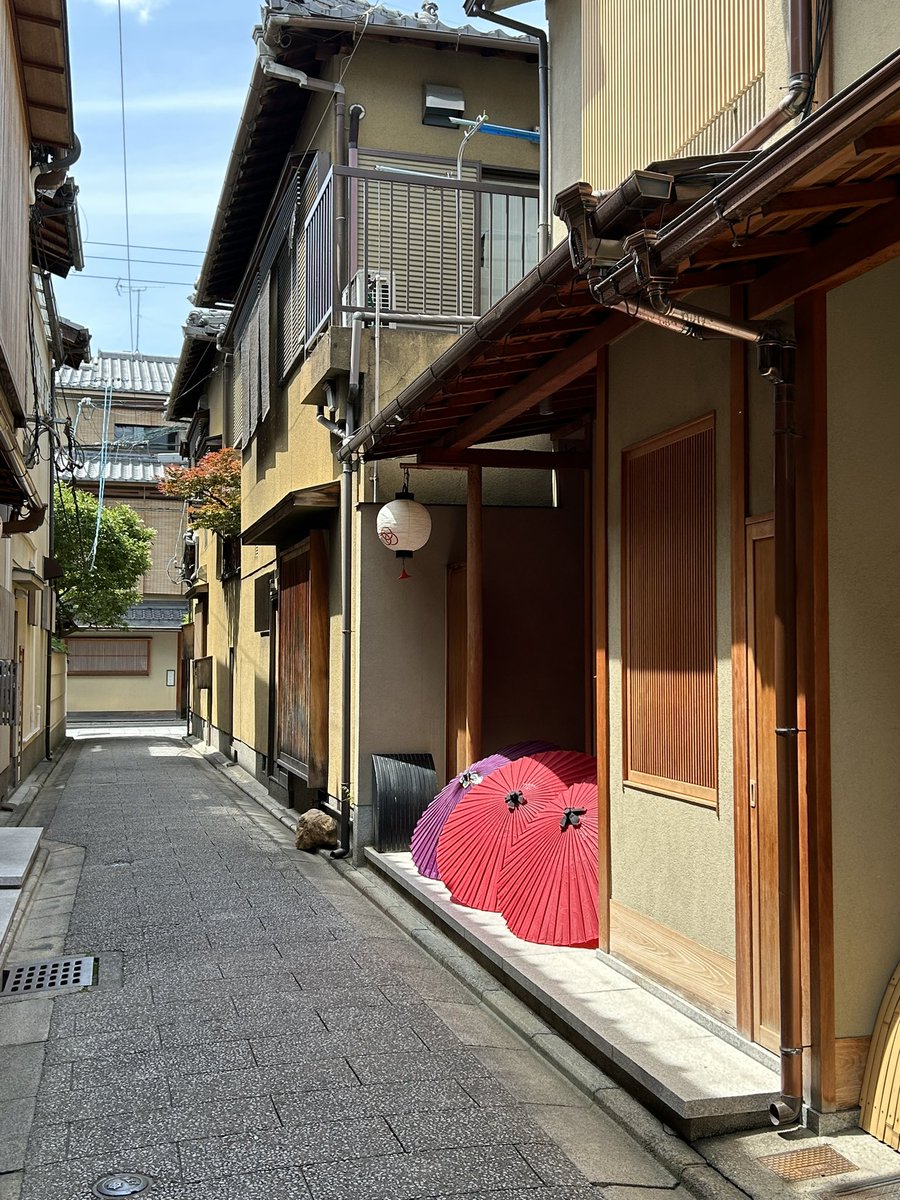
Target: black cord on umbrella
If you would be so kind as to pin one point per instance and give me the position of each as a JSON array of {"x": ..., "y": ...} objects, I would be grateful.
[{"x": 572, "y": 816}]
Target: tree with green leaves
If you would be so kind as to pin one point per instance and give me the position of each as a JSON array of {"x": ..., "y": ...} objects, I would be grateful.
[
  {"x": 213, "y": 490},
  {"x": 98, "y": 594}
]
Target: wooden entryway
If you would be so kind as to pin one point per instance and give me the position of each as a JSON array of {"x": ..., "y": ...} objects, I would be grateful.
[
  {"x": 762, "y": 796},
  {"x": 456, "y": 669}
]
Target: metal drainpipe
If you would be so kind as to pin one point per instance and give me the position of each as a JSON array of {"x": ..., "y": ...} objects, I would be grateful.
[
  {"x": 48, "y": 749},
  {"x": 476, "y": 8},
  {"x": 356, "y": 114},
  {"x": 776, "y": 363},
  {"x": 345, "y": 433},
  {"x": 800, "y": 79}
]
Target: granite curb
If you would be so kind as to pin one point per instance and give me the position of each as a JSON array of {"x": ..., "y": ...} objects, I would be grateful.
[
  {"x": 18, "y": 803},
  {"x": 690, "y": 1168}
]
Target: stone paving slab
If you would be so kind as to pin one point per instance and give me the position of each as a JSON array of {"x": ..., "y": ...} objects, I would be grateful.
[
  {"x": 260, "y": 1030},
  {"x": 18, "y": 848}
]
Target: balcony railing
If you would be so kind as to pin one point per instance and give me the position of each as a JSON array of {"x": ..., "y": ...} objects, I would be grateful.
[{"x": 413, "y": 246}]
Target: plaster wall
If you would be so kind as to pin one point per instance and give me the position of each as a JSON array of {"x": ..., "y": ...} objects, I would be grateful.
[
  {"x": 672, "y": 860},
  {"x": 864, "y": 631},
  {"x": 566, "y": 166},
  {"x": 129, "y": 693},
  {"x": 534, "y": 658},
  {"x": 388, "y": 79}
]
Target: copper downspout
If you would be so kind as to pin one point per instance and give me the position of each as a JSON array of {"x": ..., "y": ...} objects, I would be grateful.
[{"x": 800, "y": 80}]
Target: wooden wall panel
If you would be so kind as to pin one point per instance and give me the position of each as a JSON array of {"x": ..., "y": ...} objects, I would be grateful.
[
  {"x": 15, "y": 281},
  {"x": 635, "y": 57},
  {"x": 669, "y": 614}
]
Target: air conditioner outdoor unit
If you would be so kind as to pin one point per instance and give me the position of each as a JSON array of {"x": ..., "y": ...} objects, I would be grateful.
[{"x": 369, "y": 290}]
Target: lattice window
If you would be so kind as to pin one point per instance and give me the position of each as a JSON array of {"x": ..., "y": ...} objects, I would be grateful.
[
  {"x": 108, "y": 656},
  {"x": 669, "y": 613}
]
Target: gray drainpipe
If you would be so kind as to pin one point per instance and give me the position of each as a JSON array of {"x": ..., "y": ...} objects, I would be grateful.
[
  {"x": 345, "y": 432},
  {"x": 476, "y": 8}
]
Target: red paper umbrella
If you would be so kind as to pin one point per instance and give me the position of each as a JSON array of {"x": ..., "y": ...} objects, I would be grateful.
[
  {"x": 478, "y": 833},
  {"x": 548, "y": 889}
]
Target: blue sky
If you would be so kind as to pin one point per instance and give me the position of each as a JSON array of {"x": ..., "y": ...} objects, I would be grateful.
[{"x": 187, "y": 67}]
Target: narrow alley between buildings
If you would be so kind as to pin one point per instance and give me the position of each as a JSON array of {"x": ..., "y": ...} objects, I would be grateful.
[{"x": 259, "y": 1028}]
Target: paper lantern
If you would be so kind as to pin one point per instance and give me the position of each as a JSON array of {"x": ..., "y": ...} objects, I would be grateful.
[{"x": 403, "y": 525}]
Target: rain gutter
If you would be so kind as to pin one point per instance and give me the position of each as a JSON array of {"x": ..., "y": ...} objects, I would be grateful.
[
  {"x": 33, "y": 501},
  {"x": 800, "y": 79},
  {"x": 478, "y": 8},
  {"x": 453, "y": 37},
  {"x": 539, "y": 284},
  {"x": 836, "y": 124}
]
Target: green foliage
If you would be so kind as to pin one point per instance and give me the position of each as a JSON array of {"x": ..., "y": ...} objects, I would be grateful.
[
  {"x": 213, "y": 489},
  {"x": 98, "y": 596}
]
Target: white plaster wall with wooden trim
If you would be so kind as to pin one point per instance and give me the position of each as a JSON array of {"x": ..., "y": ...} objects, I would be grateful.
[
  {"x": 129, "y": 693},
  {"x": 864, "y": 633},
  {"x": 672, "y": 861}
]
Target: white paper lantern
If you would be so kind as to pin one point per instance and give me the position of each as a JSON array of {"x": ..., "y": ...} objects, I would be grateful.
[{"x": 403, "y": 525}]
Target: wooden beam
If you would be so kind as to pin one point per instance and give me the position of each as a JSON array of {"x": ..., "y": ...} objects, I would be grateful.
[
  {"x": 50, "y": 68},
  {"x": 36, "y": 19},
  {"x": 827, "y": 199},
  {"x": 600, "y": 580},
  {"x": 474, "y": 615},
  {"x": 882, "y": 137},
  {"x": 727, "y": 276},
  {"x": 560, "y": 370},
  {"x": 850, "y": 251},
  {"x": 754, "y": 247},
  {"x": 516, "y": 460}
]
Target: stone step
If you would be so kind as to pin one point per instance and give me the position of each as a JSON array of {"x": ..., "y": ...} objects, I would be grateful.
[
  {"x": 17, "y": 850},
  {"x": 9, "y": 899}
]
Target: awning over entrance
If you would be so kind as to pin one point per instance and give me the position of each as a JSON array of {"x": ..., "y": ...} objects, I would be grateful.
[
  {"x": 291, "y": 517},
  {"x": 820, "y": 207}
]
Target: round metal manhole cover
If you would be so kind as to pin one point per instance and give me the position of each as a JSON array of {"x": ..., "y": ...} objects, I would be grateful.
[{"x": 122, "y": 1184}]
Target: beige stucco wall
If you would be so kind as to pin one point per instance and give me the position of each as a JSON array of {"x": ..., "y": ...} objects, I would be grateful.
[
  {"x": 130, "y": 693},
  {"x": 672, "y": 860},
  {"x": 566, "y": 167},
  {"x": 864, "y": 630},
  {"x": 389, "y": 80},
  {"x": 251, "y": 705}
]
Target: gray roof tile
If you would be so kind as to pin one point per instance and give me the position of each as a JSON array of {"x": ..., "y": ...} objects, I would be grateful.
[{"x": 137, "y": 374}]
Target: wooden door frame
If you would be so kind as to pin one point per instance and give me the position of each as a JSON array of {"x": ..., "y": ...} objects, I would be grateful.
[
  {"x": 758, "y": 528},
  {"x": 600, "y": 576}
]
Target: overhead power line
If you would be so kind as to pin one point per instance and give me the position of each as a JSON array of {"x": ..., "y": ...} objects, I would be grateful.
[
  {"x": 118, "y": 279},
  {"x": 135, "y": 246},
  {"x": 152, "y": 262}
]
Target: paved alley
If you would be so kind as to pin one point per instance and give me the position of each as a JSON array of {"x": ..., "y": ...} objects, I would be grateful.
[{"x": 260, "y": 1029}]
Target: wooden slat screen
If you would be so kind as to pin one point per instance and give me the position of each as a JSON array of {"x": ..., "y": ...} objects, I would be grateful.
[
  {"x": 302, "y": 700},
  {"x": 109, "y": 656},
  {"x": 669, "y": 614},
  {"x": 9, "y": 696}
]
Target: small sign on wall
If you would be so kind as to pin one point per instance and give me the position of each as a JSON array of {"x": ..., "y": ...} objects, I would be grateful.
[{"x": 170, "y": 678}]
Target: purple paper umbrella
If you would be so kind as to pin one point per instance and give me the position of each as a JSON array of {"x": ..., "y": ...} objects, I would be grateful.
[{"x": 428, "y": 828}]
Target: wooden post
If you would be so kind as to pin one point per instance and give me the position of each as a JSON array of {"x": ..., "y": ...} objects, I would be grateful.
[
  {"x": 601, "y": 648},
  {"x": 474, "y": 615}
]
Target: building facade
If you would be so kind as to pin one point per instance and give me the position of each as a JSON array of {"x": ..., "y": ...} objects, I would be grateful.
[
  {"x": 38, "y": 216},
  {"x": 117, "y": 406},
  {"x": 743, "y": 624}
]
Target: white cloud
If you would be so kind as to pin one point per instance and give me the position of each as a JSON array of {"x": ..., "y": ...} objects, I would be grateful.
[
  {"x": 144, "y": 8},
  {"x": 186, "y": 102}
]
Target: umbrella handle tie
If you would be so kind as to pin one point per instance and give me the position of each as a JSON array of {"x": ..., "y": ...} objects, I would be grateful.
[
  {"x": 572, "y": 816},
  {"x": 469, "y": 778},
  {"x": 514, "y": 799}
]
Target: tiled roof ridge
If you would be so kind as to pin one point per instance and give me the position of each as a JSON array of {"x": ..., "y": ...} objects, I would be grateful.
[{"x": 381, "y": 14}]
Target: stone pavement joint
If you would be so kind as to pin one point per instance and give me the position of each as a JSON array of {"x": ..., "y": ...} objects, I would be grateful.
[{"x": 260, "y": 1027}]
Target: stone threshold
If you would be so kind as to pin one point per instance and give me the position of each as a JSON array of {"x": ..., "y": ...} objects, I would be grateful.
[{"x": 679, "y": 1062}]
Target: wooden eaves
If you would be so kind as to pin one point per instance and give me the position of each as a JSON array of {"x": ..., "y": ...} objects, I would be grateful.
[{"x": 820, "y": 207}]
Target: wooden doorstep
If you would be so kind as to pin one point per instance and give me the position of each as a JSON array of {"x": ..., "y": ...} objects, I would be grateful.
[{"x": 703, "y": 976}]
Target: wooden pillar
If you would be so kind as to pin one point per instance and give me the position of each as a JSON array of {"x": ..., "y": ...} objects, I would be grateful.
[
  {"x": 810, "y": 318},
  {"x": 601, "y": 646},
  {"x": 474, "y": 615}
]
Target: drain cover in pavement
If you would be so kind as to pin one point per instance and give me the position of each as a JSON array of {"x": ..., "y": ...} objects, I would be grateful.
[
  {"x": 808, "y": 1164},
  {"x": 121, "y": 1185},
  {"x": 49, "y": 976}
]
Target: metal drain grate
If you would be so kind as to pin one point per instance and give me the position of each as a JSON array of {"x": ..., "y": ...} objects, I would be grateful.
[
  {"x": 50, "y": 976},
  {"x": 122, "y": 1184},
  {"x": 808, "y": 1164}
]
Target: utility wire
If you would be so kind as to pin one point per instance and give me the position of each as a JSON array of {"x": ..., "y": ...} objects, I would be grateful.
[
  {"x": 135, "y": 246},
  {"x": 118, "y": 279},
  {"x": 125, "y": 178},
  {"x": 104, "y": 459}
]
